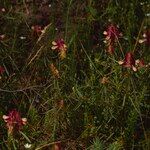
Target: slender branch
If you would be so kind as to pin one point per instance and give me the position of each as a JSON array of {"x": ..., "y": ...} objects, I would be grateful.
[
  {"x": 21, "y": 90},
  {"x": 137, "y": 39}
]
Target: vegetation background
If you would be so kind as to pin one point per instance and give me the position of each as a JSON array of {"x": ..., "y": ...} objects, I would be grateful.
[{"x": 86, "y": 100}]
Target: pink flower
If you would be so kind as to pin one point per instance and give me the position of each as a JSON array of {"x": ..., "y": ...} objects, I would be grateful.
[
  {"x": 146, "y": 38},
  {"x": 112, "y": 34},
  {"x": 129, "y": 61},
  {"x": 140, "y": 63},
  {"x": 14, "y": 121},
  {"x": 2, "y": 70},
  {"x": 60, "y": 46}
]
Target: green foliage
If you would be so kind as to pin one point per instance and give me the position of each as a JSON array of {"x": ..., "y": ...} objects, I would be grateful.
[
  {"x": 115, "y": 146},
  {"x": 97, "y": 144},
  {"x": 86, "y": 100}
]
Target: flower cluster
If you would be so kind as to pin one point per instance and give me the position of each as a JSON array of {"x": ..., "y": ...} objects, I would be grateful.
[
  {"x": 14, "y": 122},
  {"x": 60, "y": 46},
  {"x": 130, "y": 62},
  {"x": 112, "y": 34}
]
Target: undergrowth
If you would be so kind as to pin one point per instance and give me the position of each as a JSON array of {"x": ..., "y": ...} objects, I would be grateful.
[{"x": 77, "y": 71}]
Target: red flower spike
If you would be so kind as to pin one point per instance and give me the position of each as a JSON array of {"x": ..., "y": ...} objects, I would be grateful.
[
  {"x": 59, "y": 45},
  {"x": 129, "y": 60},
  {"x": 112, "y": 33},
  {"x": 14, "y": 121},
  {"x": 2, "y": 70}
]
